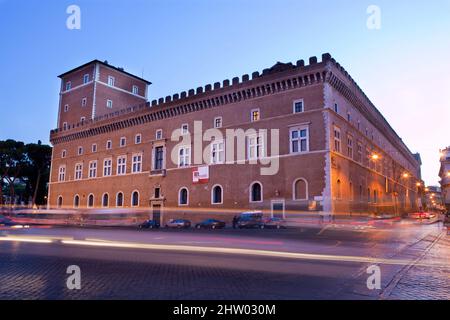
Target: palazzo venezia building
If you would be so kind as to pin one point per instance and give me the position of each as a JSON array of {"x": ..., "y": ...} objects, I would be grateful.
[{"x": 337, "y": 153}]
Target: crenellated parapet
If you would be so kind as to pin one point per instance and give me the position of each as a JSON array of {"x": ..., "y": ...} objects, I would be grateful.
[
  {"x": 279, "y": 78},
  {"x": 221, "y": 93}
]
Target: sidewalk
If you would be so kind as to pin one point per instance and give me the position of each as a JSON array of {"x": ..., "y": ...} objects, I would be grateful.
[{"x": 427, "y": 283}]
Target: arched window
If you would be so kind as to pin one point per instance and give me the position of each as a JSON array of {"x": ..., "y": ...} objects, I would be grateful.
[
  {"x": 59, "y": 202},
  {"x": 256, "y": 192},
  {"x": 91, "y": 200},
  {"x": 183, "y": 197},
  {"x": 338, "y": 190},
  {"x": 216, "y": 194},
  {"x": 105, "y": 200},
  {"x": 119, "y": 199},
  {"x": 135, "y": 199},
  {"x": 368, "y": 194},
  {"x": 300, "y": 191},
  {"x": 76, "y": 201}
]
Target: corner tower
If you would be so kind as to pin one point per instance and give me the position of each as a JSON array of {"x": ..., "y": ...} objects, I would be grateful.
[{"x": 96, "y": 89}]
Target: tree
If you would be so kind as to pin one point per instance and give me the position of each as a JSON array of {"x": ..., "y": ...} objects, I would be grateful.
[
  {"x": 38, "y": 169},
  {"x": 12, "y": 162},
  {"x": 28, "y": 164}
]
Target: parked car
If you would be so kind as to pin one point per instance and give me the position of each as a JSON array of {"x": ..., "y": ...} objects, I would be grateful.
[
  {"x": 250, "y": 223},
  {"x": 4, "y": 221},
  {"x": 149, "y": 224},
  {"x": 178, "y": 224},
  {"x": 211, "y": 224},
  {"x": 274, "y": 223},
  {"x": 423, "y": 215}
]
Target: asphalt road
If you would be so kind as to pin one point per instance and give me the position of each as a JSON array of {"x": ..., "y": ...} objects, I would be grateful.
[{"x": 301, "y": 263}]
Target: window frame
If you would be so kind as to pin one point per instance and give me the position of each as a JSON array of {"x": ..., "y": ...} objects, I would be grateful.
[
  {"x": 299, "y": 139},
  {"x": 107, "y": 167},
  {"x": 258, "y": 110},
  {"x": 212, "y": 194},
  {"x": 187, "y": 197},
  {"x": 136, "y": 164},
  {"x": 121, "y": 165},
  {"x": 185, "y": 156},
  {"x": 294, "y": 106},
  {"x": 251, "y": 192}
]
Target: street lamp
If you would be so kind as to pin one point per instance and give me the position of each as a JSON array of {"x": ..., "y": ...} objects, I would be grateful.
[
  {"x": 375, "y": 157},
  {"x": 405, "y": 175}
]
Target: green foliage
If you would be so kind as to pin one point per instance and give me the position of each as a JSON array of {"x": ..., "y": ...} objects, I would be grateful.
[{"x": 24, "y": 170}]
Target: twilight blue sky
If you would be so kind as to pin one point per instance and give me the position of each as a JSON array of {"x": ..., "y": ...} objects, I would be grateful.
[{"x": 181, "y": 44}]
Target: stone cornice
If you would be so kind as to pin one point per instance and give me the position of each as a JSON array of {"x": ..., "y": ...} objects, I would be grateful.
[
  {"x": 292, "y": 77},
  {"x": 353, "y": 93}
]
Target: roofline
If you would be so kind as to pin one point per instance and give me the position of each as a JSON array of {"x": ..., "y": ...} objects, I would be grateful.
[{"x": 106, "y": 65}]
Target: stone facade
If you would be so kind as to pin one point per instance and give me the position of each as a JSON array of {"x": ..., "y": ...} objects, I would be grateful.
[
  {"x": 332, "y": 172},
  {"x": 444, "y": 174}
]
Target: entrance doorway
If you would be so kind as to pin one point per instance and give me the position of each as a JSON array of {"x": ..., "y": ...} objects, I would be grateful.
[
  {"x": 278, "y": 209},
  {"x": 156, "y": 213}
]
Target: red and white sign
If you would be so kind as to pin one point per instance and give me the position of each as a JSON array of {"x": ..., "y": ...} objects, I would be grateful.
[{"x": 200, "y": 175}]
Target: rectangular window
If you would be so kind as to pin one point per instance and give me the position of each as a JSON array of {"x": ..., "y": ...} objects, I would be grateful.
[
  {"x": 123, "y": 141},
  {"x": 184, "y": 156},
  {"x": 86, "y": 78},
  {"x": 135, "y": 89},
  {"x": 137, "y": 138},
  {"x": 337, "y": 139},
  {"x": 63, "y": 154},
  {"x": 218, "y": 122},
  {"x": 93, "y": 169},
  {"x": 94, "y": 147},
  {"x": 360, "y": 156},
  {"x": 108, "y": 145},
  {"x": 111, "y": 81},
  {"x": 65, "y": 126},
  {"x": 298, "y": 106},
  {"x": 185, "y": 129},
  {"x": 255, "y": 115},
  {"x": 84, "y": 102},
  {"x": 137, "y": 163},
  {"x": 121, "y": 165},
  {"x": 62, "y": 174},
  {"x": 255, "y": 147},
  {"x": 68, "y": 85},
  {"x": 107, "y": 167},
  {"x": 159, "y": 134},
  {"x": 109, "y": 104},
  {"x": 66, "y": 108},
  {"x": 299, "y": 140},
  {"x": 78, "y": 171},
  {"x": 217, "y": 152},
  {"x": 80, "y": 151},
  {"x": 350, "y": 146},
  {"x": 336, "y": 108},
  {"x": 159, "y": 158}
]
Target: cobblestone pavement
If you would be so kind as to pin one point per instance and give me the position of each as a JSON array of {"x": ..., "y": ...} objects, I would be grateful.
[
  {"x": 427, "y": 283},
  {"x": 24, "y": 277},
  {"x": 38, "y": 271}
]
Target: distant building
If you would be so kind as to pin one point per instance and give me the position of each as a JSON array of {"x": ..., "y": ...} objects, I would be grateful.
[
  {"x": 444, "y": 174},
  {"x": 433, "y": 198},
  {"x": 337, "y": 153}
]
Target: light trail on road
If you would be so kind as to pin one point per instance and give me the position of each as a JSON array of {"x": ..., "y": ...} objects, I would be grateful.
[{"x": 214, "y": 250}]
